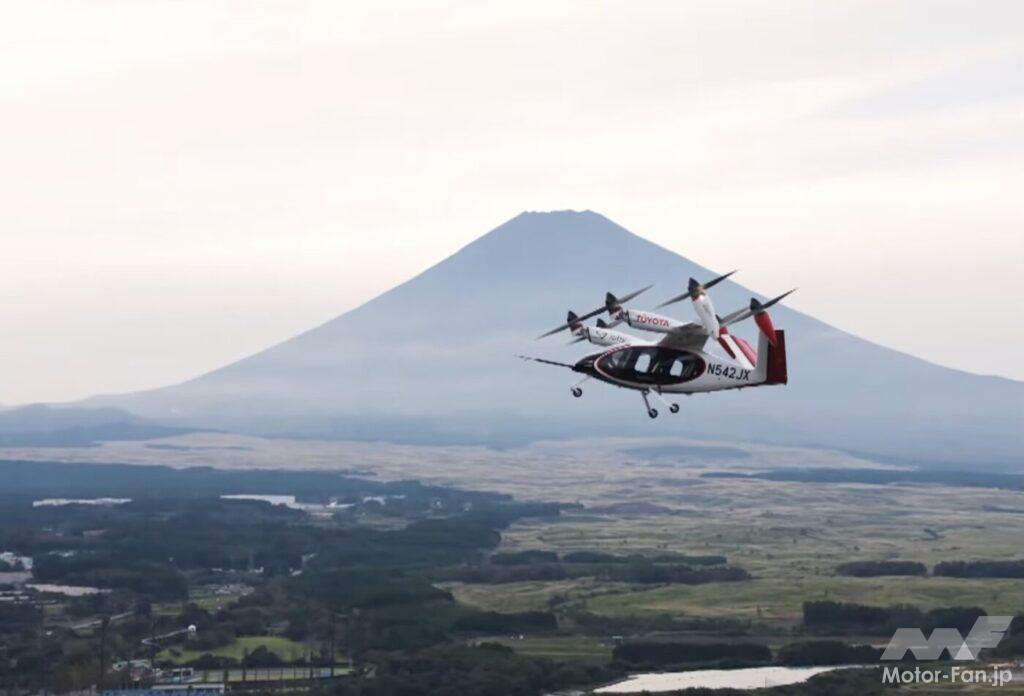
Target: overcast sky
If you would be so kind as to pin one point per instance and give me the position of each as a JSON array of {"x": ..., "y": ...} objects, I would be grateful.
[{"x": 186, "y": 182}]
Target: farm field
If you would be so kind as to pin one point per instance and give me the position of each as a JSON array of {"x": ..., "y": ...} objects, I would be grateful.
[{"x": 287, "y": 650}]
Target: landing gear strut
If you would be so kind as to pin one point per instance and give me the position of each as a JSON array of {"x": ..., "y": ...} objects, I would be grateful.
[
  {"x": 673, "y": 407},
  {"x": 652, "y": 412},
  {"x": 576, "y": 390}
]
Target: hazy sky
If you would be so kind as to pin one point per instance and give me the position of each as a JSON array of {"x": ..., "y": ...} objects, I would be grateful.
[{"x": 186, "y": 182}]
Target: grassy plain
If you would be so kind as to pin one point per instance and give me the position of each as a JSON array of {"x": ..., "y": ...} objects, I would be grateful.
[
  {"x": 649, "y": 495},
  {"x": 790, "y": 536},
  {"x": 284, "y": 648},
  {"x": 558, "y": 647}
]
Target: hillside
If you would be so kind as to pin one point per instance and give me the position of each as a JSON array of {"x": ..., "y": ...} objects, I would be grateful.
[{"x": 432, "y": 361}]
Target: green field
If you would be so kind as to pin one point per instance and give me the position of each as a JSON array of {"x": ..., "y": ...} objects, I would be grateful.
[
  {"x": 790, "y": 537},
  {"x": 778, "y": 599},
  {"x": 521, "y": 596},
  {"x": 287, "y": 650},
  {"x": 558, "y": 647}
]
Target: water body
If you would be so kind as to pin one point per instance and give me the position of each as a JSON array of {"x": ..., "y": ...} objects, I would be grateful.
[
  {"x": 80, "y": 501},
  {"x": 68, "y": 590},
  {"x": 750, "y": 678},
  {"x": 291, "y": 502}
]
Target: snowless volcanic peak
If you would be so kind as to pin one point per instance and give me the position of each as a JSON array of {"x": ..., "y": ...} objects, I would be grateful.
[{"x": 433, "y": 361}]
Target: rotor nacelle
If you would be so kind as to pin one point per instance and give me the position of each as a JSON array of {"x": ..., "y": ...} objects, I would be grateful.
[{"x": 696, "y": 292}]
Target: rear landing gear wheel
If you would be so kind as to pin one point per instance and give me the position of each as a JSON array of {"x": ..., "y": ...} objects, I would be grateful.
[
  {"x": 652, "y": 412},
  {"x": 577, "y": 392},
  {"x": 674, "y": 408}
]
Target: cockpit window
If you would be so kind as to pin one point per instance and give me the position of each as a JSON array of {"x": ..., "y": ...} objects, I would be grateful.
[
  {"x": 643, "y": 363},
  {"x": 617, "y": 360},
  {"x": 651, "y": 365}
]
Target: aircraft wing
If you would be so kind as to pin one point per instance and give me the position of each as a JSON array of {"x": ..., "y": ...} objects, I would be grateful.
[{"x": 689, "y": 336}]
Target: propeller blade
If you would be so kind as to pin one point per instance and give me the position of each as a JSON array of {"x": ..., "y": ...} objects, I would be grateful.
[
  {"x": 754, "y": 308},
  {"x": 677, "y": 298},
  {"x": 576, "y": 340},
  {"x": 719, "y": 279},
  {"x": 733, "y": 317},
  {"x": 635, "y": 293},
  {"x": 694, "y": 289},
  {"x": 547, "y": 362},
  {"x": 594, "y": 313},
  {"x": 566, "y": 325},
  {"x": 759, "y": 307}
]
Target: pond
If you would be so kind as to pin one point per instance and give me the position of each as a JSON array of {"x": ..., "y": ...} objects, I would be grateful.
[
  {"x": 80, "y": 501},
  {"x": 67, "y": 590},
  {"x": 750, "y": 678}
]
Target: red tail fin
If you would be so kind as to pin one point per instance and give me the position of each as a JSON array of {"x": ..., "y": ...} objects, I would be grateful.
[{"x": 777, "y": 360}]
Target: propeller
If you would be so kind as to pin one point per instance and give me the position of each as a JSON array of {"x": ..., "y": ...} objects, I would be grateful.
[
  {"x": 763, "y": 319},
  {"x": 547, "y": 362},
  {"x": 754, "y": 308},
  {"x": 610, "y": 301},
  {"x": 695, "y": 289}
]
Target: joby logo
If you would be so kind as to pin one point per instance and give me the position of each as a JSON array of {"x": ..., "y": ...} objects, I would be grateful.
[{"x": 986, "y": 633}]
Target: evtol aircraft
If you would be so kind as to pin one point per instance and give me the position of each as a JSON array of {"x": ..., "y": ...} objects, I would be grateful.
[{"x": 675, "y": 362}]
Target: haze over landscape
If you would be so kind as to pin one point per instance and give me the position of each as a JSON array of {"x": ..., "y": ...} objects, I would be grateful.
[{"x": 432, "y": 362}]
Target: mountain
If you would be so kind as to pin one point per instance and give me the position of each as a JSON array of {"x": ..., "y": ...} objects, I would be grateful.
[
  {"x": 39, "y": 425},
  {"x": 432, "y": 361}
]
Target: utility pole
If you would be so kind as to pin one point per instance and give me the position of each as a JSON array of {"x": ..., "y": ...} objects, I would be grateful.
[
  {"x": 104, "y": 622},
  {"x": 332, "y": 644},
  {"x": 152, "y": 644},
  {"x": 42, "y": 655}
]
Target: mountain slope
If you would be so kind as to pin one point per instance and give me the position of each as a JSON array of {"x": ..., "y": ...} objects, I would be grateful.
[{"x": 432, "y": 361}]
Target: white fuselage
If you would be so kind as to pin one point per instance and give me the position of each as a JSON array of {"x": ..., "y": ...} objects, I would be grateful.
[
  {"x": 648, "y": 321},
  {"x": 649, "y": 366},
  {"x": 601, "y": 336}
]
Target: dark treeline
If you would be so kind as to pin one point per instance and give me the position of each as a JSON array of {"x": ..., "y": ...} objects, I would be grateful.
[
  {"x": 524, "y": 557},
  {"x": 826, "y": 652},
  {"x": 870, "y": 569},
  {"x": 849, "y": 617},
  {"x": 980, "y": 569},
  {"x": 597, "y": 557},
  {"x": 33, "y": 480},
  {"x": 638, "y": 570},
  {"x": 960, "y": 479},
  {"x": 663, "y": 654},
  {"x": 640, "y": 654},
  {"x": 952, "y": 569},
  {"x": 490, "y": 669},
  {"x": 583, "y": 621}
]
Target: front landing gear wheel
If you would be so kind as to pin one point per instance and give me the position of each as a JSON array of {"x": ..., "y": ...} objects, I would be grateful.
[
  {"x": 674, "y": 408},
  {"x": 577, "y": 392},
  {"x": 652, "y": 412}
]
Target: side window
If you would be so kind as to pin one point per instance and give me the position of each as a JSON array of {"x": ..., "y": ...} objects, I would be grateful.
[
  {"x": 643, "y": 363},
  {"x": 677, "y": 368}
]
